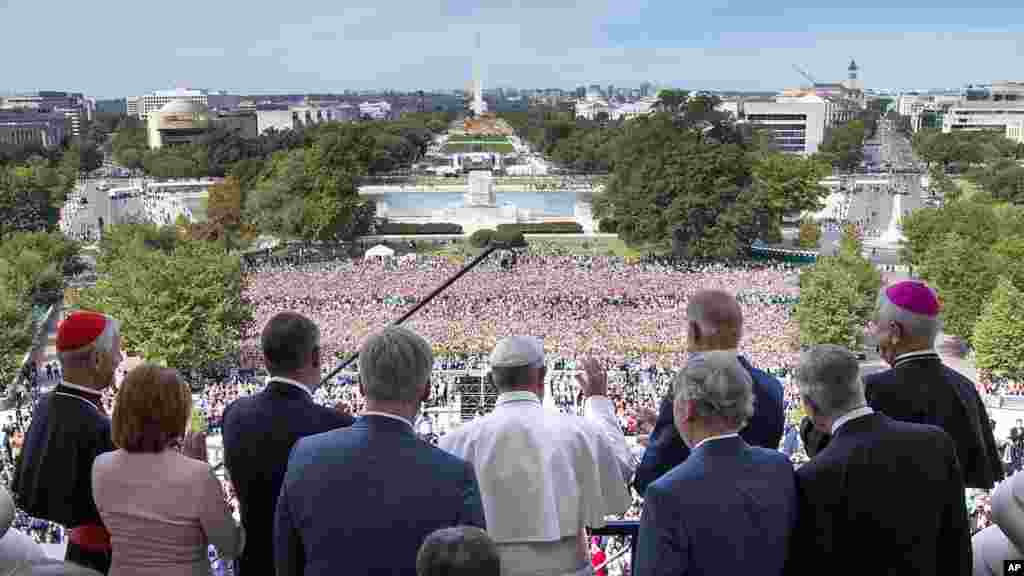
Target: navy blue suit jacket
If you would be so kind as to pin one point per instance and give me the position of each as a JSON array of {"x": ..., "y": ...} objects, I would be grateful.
[
  {"x": 360, "y": 501},
  {"x": 884, "y": 497},
  {"x": 259, "y": 433},
  {"x": 730, "y": 508},
  {"x": 666, "y": 449}
]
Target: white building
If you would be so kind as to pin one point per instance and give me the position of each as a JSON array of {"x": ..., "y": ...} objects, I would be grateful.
[
  {"x": 375, "y": 110},
  {"x": 283, "y": 117},
  {"x": 983, "y": 115},
  {"x": 796, "y": 125},
  {"x": 143, "y": 105},
  {"x": 1015, "y": 130}
]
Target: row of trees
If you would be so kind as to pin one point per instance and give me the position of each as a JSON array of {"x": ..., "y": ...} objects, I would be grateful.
[
  {"x": 31, "y": 276},
  {"x": 180, "y": 298},
  {"x": 691, "y": 179},
  {"x": 972, "y": 252},
  {"x": 397, "y": 144}
]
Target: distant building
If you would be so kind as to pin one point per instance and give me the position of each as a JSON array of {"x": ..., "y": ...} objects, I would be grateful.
[
  {"x": 26, "y": 127},
  {"x": 147, "y": 103},
  {"x": 132, "y": 106},
  {"x": 982, "y": 115},
  {"x": 75, "y": 107},
  {"x": 796, "y": 126},
  {"x": 282, "y": 117},
  {"x": 1015, "y": 130},
  {"x": 177, "y": 122},
  {"x": 382, "y": 110}
]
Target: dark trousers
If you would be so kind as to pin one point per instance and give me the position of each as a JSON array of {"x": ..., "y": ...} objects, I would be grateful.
[{"x": 99, "y": 561}]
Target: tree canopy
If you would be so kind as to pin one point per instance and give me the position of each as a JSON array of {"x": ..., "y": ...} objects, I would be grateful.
[
  {"x": 180, "y": 301},
  {"x": 837, "y": 297},
  {"x": 999, "y": 332}
]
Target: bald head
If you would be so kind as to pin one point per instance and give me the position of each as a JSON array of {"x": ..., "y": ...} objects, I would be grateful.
[{"x": 715, "y": 321}]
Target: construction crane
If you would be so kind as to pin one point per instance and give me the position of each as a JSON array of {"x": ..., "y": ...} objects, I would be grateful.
[{"x": 805, "y": 74}]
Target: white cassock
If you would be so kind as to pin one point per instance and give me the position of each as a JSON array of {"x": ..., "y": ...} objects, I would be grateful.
[{"x": 543, "y": 477}]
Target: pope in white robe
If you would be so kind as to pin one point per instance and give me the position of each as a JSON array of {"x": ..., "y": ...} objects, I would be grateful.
[{"x": 544, "y": 476}]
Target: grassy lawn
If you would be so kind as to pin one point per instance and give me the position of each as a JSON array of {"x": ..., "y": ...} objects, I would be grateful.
[
  {"x": 967, "y": 188},
  {"x": 576, "y": 246}
]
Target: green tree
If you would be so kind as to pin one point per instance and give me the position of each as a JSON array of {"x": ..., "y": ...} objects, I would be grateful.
[
  {"x": 672, "y": 100},
  {"x": 829, "y": 301},
  {"x": 962, "y": 273},
  {"x": 843, "y": 146},
  {"x": 181, "y": 307},
  {"x": 787, "y": 184},
  {"x": 15, "y": 330},
  {"x": 999, "y": 333},
  {"x": 925, "y": 228}
]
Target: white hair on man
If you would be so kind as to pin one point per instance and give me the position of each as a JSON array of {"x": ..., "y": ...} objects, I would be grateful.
[
  {"x": 828, "y": 378},
  {"x": 912, "y": 306},
  {"x": 720, "y": 387},
  {"x": 394, "y": 363}
]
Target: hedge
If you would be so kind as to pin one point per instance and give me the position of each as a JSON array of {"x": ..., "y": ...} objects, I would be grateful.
[
  {"x": 399, "y": 228},
  {"x": 481, "y": 237},
  {"x": 543, "y": 228}
]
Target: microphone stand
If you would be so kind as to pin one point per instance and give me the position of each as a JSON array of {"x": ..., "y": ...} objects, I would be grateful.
[{"x": 483, "y": 255}]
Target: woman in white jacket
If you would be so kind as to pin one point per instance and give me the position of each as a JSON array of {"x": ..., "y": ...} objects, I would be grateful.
[{"x": 1004, "y": 539}]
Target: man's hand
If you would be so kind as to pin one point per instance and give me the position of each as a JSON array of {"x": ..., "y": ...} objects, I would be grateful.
[
  {"x": 194, "y": 446},
  {"x": 343, "y": 408},
  {"x": 646, "y": 418},
  {"x": 593, "y": 380}
]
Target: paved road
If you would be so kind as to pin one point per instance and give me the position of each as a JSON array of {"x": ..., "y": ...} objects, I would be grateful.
[{"x": 88, "y": 215}]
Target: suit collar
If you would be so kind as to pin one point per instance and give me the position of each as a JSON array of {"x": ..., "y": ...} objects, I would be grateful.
[
  {"x": 916, "y": 356},
  {"x": 289, "y": 387},
  {"x": 861, "y": 424},
  {"x": 720, "y": 446},
  {"x": 384, "y": 422},
  {"x": 88, "y": 395}
]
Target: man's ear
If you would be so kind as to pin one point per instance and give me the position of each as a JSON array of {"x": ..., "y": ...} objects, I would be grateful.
[
  {"x": 695, "y": 329},
  {"x": 895, "y": 332},
  {"x": 316, "y": 357}
]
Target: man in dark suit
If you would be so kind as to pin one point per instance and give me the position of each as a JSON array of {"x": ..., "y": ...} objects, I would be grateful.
[
  {"x": 715, "y": 322},
  {"x": 729, "y": 508},
  {"x": 260, "y": 430},
  {"x": 884, "y": 496},
  {"x": 360, "y": 501},
  {"x": 919, "y": 388}
]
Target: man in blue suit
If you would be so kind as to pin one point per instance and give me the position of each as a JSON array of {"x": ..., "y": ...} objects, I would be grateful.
[
  {"x": 714, "y": 322},
  {"x": 360, "y": 501},
  {"x": 729, "y": 508},
  {"x": 260, "y": 430}
]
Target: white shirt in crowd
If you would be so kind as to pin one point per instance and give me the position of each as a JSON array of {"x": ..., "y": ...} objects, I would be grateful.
[{"x": 543, "y": 477}]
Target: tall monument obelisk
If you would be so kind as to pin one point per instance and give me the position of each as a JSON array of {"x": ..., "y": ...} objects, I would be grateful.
[{"x": 478, "y": 105}]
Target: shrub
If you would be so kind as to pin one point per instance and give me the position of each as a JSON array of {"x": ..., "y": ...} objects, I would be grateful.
[
  {"x": 398, "y": 228},
  {"x": 544, "y": 228},
  {"x": 608, "y": 226},
  {"x": 481, "y": 238}
]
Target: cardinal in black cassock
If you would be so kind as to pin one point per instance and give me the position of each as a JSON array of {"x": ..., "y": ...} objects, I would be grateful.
[{"x": 69, "y": 428}]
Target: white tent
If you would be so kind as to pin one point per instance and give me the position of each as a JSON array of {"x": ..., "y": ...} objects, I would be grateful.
[{"x": 379, "y": 251}]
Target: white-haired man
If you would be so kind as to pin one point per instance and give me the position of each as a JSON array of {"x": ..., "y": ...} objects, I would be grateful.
[
  {"x": 919, "y": 388},
  {"x": 53, "y": 477},
  {"x": 729, "y": 508},
  {"x": 360, "y": 500},
  {"x": 884, "y": 496},
  {"x": 544, "y": 476}
]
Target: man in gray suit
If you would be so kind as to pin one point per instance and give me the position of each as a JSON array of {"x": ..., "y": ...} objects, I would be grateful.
[{"x": 729, "y": 508}]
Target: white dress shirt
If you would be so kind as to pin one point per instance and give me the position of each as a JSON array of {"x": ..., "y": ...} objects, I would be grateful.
[
  {"x": 713, "y": 438},
  {"x": 851, "y": 415},
  {"x": 544, "y": 476},
  {"x": 295, "y": 383},
  {"x": 387, "y": 415}
]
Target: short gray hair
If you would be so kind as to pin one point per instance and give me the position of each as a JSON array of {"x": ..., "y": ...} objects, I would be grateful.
[
  {"x": 719, "y": 384},
  {"x": 393, "y": 363},
  {"x": 829, "y": 377},
  {"x": 915, "y": 325},
  {"x": 458, "y": 551}
]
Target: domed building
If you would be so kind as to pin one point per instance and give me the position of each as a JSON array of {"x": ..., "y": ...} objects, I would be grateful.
[{"x": 178, "y": 122}]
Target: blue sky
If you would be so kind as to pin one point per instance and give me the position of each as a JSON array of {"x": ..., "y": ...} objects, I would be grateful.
[{"x": 112, "y": 48}]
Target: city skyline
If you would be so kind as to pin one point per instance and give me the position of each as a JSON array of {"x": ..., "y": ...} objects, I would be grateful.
[{"x": 324, "y": 48}]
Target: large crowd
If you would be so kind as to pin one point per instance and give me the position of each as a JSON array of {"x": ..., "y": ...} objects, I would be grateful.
[{"x": 600, "y": 306}]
